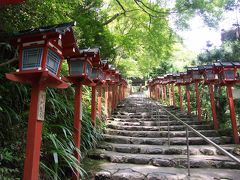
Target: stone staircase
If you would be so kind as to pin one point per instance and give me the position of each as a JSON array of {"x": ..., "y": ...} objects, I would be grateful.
[{"x": 139, "y": 145}]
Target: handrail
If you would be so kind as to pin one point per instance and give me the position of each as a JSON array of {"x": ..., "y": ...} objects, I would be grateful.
[{"x": 204, "y": 137}]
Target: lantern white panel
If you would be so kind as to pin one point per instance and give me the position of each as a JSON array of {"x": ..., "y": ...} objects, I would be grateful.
[
  {"x": 229, "y": 74},
  {"x": 95, "y": 73},
  {"x": 89, "y": 70},
  {"x": 31, "y": 58},
  {"x": 53, "y": 61},
  {"x": 76, "y": 67}
]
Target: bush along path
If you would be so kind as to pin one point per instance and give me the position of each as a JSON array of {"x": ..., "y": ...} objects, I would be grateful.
[{"x": 136, "y": 146}]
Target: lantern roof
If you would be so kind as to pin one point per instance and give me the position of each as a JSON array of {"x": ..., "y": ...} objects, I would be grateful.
[
  {"x": 190, "y": 69},
  {"x": 205, "y": 67},
  {"x": 226, "y": 64},
  {"x": 54, "y": 33},
  {"x": 183, "y": 74},
  {"x": 93, "y": 54},
  {"x": 175, "y": 75},
  {"x": 237, "y": 64}
]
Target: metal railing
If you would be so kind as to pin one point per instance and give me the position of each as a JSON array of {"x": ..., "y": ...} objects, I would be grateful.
[{"x": 188, "y": 127}]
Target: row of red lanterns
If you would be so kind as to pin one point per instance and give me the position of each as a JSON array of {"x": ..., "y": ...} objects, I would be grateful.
[
  {"x": 219, "y": 73},
  {"x": 41, "y": 53}
]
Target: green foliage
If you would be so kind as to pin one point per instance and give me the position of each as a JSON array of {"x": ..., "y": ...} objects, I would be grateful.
[
  {"x": 134, "y": 35},
  {"x": 57, "y": 137},
  {"x": 211, "y": 12}
]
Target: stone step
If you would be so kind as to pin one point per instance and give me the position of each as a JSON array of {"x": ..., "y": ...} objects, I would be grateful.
[
  {"x": 208, "y": 133},
  {"x": 155, "y": 128},
  {"x": 168, "y": 150},
  {"x": 124, "y": 171},
  {"x": 147, "y": 116},
  {"x": 150, "y": 123},
  {"x": 164, "y": 141},
  {"x": 180, "y": 161},
  {"x": 147, "y": 120}
]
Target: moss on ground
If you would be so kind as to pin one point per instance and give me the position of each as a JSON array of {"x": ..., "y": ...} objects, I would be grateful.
[{"x": 91, "y": 166}]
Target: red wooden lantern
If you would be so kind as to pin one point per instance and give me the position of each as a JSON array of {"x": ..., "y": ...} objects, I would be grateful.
[
  {"x": 209, "y": 74},
  {"x": 41, "y": 54},
  {"x": 115, "y": 86},
  {"x": 227, "y": 72},
  {"x": 179, "y": 82},
  {"x": 187, "y": 81},
  {"x": 80, "y": 70},
  {"x": 194, "y": 74},
  {"x": 210, "y": 78},
  {"x": 93, "y": 54},
  {"x": 112, "y": 88},
  {"x": 179, "y": 79},
  {"x": 170, "y": 82},
  {"x": 80, "y": 73},
  {"x": 228, "y": 77},
  {"x": 196, "y": 77},
  {"x": 107, "y": 72}
]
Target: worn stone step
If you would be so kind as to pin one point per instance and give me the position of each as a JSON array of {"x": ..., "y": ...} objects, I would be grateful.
[
  {"x": 208, "y": 133},
  {"x": 164, "y": 141},
  {"x": 150, "y": 120},
  {"x": 151, "y": 123},
  {"x": 124, "y": 171},
  {"x": 165, "y": 149},
  {"x": 180, "y": 161},
  {"x": 155, "y": 128}
]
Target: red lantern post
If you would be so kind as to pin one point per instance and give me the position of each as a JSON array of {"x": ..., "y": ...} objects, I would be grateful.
[
  {"x": 196, "y": 78},
  {"x": 179, "y": 82},
  {"x": 97, "y": 77},
  {"x": 187, "y": 82},
  {"x": 80, "y": 70},
  {"x": 108, "y": 92},
  {"x": 40, "y": 62},
  {"x": 106, "y": 100},
  {"x": 228, "y": 76},
  {"x": 99, "y": 101},
  {"x": 210, "y": 78},
  {"x": 171, "y": 82}
]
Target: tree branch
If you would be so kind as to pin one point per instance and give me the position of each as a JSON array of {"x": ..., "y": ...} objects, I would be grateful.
[
  {"x": 152, "y": 9},
  {"x": 124, "y": 10},
  {"x": 9, "y": 61},
  {"x": 115, "y": 16},
  {"x": 137, "y": 2}
]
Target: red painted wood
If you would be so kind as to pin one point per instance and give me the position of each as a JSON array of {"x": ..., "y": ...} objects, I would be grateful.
[
  {"x": 77, "y": 123},
  {"x": 99, "y": 102},
  {"x": 41, "y": 76},
  {"x": 170, "y": 94},
  {"x": 180, "y": 97},
  {"x": 162, "y": 92},
  {"x": 34, "y": 137},
  {"x": 188, "y": 99},
  {"x": 213, "y": 106},
  {"x": 10, "y": 2},
  {"x": 199, "y": 111},
  {"x": 233, "y": 115},
  {"x": 173, "y": 95},
  {"x": 106, "y": 100},
  {"x": 165, "y": 92},
  {"x": 110, "y": 100},
  {"x": 113, "y": 97},
  {"x": 93, "y": 106}
]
